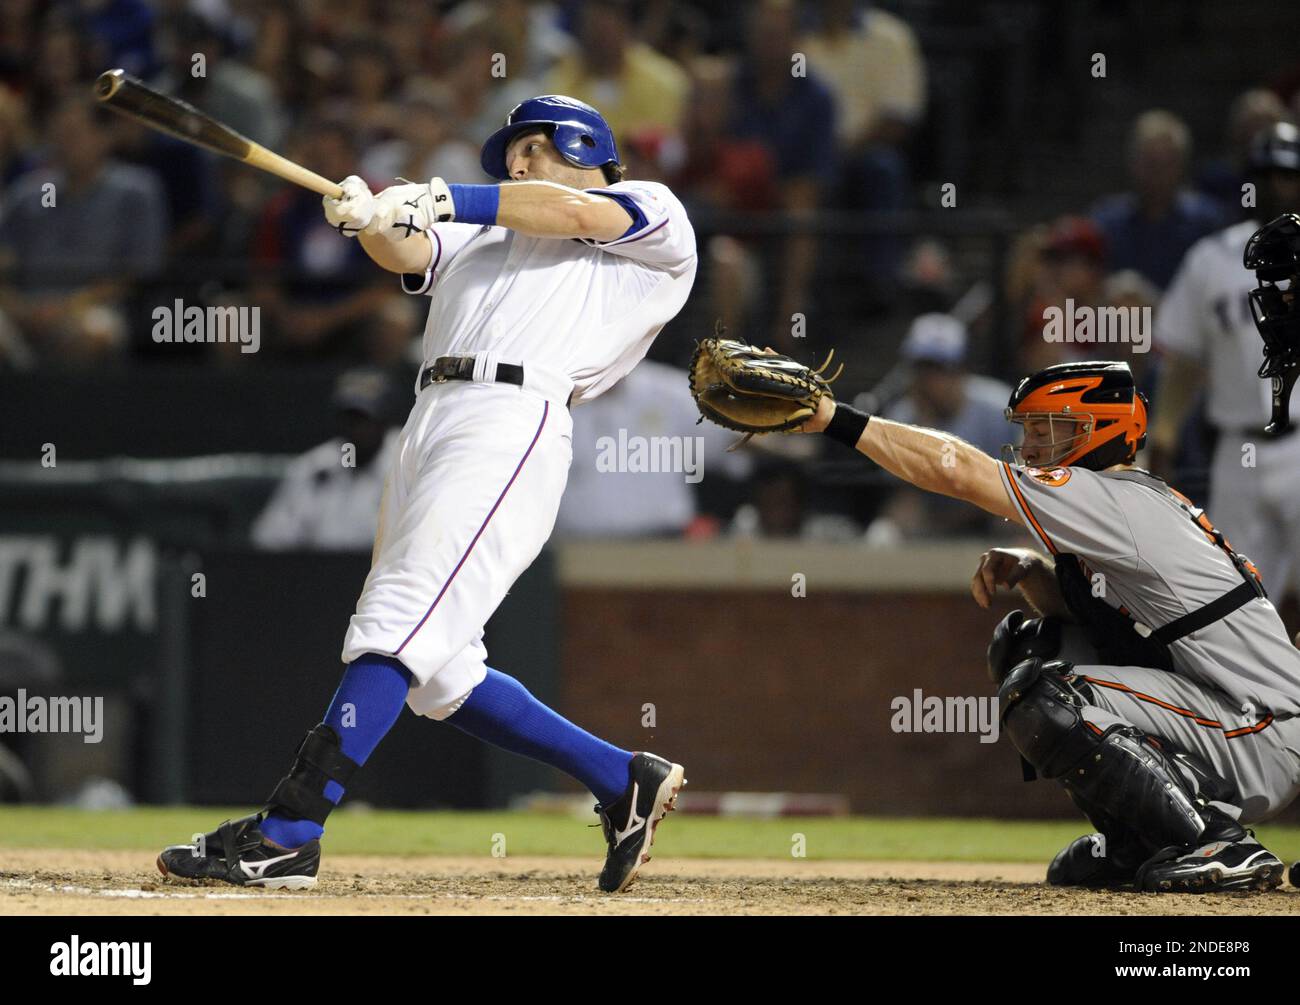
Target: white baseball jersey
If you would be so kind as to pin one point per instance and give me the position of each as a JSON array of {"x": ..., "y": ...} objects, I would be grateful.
[
  {"x": 1205, "y": 314},
  {"x": 1254, "y": 481},
  {"x": 473, "y": 493},
  {"x": 543, "y": 301}
]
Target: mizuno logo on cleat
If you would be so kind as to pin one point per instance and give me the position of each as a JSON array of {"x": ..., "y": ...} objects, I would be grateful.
[
  {"x": 633, "y": 821},
  {"x": 258, "y": 869}
]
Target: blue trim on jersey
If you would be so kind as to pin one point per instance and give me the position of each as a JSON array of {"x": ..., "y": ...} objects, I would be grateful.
[{"x": 629, "y": 204}]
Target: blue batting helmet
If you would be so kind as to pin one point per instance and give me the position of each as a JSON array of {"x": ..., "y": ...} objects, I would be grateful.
[{"x": 579, "y": 132}]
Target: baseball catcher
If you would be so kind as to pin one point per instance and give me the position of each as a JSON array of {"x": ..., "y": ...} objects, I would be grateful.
[
  {"x": 1273, "y": 254},
  {"x": 1154, "y": 679}
]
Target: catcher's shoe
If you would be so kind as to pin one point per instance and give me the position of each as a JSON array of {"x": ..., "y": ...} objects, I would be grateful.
[
  {"x": 629, "y": 824},
  {"x": 1094, "y": 861},
  {"x": 1215, "y": 867},
  {"x": 237, "y": 853}
]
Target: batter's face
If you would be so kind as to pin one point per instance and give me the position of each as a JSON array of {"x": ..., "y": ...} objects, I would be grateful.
[{"x": 533, "y": 157}]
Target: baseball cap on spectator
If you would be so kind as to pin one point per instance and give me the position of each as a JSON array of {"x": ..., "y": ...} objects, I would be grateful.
[
  {"x": 935, "y": 338},
  {"x": 363, "y": 390},
  {"x": 1075, "y": 237}
]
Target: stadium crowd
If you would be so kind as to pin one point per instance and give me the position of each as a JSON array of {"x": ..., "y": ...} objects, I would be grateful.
[{"x": 101, "y": 220}]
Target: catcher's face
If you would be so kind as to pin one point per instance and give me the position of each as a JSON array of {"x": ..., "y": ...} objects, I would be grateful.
[{"x": 1049, "y": 438}]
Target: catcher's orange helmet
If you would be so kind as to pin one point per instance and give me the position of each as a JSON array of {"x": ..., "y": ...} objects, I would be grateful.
[{"x": 1102, "y": 412}]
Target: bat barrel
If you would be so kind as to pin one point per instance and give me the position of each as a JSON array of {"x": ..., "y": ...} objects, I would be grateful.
[{"x": 108, "y": 82}]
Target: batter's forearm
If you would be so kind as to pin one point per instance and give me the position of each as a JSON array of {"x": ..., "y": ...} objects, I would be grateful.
[
  {"x": 411, "y": 256},
  {"x": 544, "y": 209},
  {"x": 1181, "y": 378}
]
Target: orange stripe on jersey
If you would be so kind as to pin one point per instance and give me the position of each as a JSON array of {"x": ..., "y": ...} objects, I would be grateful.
[{"x": 1024, "y": 507}]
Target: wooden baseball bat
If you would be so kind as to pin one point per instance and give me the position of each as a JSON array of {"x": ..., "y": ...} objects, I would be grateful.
[{"x": 128, "y": 96}]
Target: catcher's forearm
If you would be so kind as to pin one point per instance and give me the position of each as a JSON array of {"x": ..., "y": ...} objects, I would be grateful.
[
  {"x": 411, "y": 256},
  {"x": 930, "y": 459}
]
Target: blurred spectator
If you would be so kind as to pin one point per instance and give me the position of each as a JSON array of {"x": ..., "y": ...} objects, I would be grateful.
[
  {"x": 58, "y": 67},
  {"x": 18, "y": 27},
  {"x": 122, "y": 34},
  {"x": 721, "y": 173},
  {"x": 780, "y": 507},
  {"x": 1150, "y": 228},
  {"x": 794, "y": 117},
  {"x": 316, "y": 288},
  {"x": 1222, "y": 179},
  {"x": 871, "y": 62},
  {"x": 631, "y": 84},
  {"x": 78, "y": 235},
  {"x": 1068, "y": 270},
  {"x": 945, "y": 396},
  {"x": 678, "y": 30},
  {"x": 1132, "y": 291},
  {"x": 227, "y": 88},
  {"x": 532, "y": 39},
  {"x": 648, "y": 409},
  {"x": 329, "y": 498},
  {"x": 14, "y": 138},
  {"x": 481, "y": 99},
  {"x": 424, "y": 144}
]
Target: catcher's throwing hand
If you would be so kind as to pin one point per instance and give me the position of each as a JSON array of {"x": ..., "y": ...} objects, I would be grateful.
[
  {"x": 1005, "y": 566},
  {"x": 753, "y": 390}
]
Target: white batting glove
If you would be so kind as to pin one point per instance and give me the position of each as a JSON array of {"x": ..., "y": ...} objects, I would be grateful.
[
  {"x": 353, "y": 213},
  {"x": 404, "y": 210}
]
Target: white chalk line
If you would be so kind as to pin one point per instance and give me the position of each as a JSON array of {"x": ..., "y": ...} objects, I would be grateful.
[{"x": 136, "y": 894}]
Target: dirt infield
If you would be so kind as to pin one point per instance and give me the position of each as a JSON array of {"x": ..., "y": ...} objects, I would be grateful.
[{"x": 81, "y": 882}]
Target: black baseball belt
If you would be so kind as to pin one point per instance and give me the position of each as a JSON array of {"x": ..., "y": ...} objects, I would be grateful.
[{"x": 447, "y": 368}]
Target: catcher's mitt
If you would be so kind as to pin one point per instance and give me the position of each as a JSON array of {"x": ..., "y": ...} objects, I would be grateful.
[{"x": 744, "y": 388}]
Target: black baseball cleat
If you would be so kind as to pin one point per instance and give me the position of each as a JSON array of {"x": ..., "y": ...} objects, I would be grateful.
[
  {"x": 1216, "y": 867},
  {"x": 1094, "y": 861},
  {"x": 630, "y": 823},
  {"x": 237, "y": 853}
]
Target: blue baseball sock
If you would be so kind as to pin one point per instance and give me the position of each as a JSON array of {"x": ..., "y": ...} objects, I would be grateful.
[
  {"x": 367, "y": 703},
  {"x": 503, "y": 712}
]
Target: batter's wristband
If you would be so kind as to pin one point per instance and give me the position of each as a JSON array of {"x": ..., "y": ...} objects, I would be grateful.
[
  {"x": 476, "y": 203},
  {"x": 846, "y": 425}
]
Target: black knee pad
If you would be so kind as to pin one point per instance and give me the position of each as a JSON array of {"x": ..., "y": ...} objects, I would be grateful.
[
  {"x": 300, "y": 795},
  {"x": 1019, "y": 637},
  {"x": 1116, "y": 772}
]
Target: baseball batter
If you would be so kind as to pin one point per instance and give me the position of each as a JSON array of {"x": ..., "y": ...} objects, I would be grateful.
[
  {"x": 1158, "y": 684},
  {"x": 1206, "y": 336},
  {"x": 543, "y": 292}
]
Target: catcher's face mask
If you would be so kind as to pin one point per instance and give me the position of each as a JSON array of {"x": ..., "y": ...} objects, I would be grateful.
[
  {"x": 1049, "y": 438},
  {"x": 1087, "y": 414}
]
